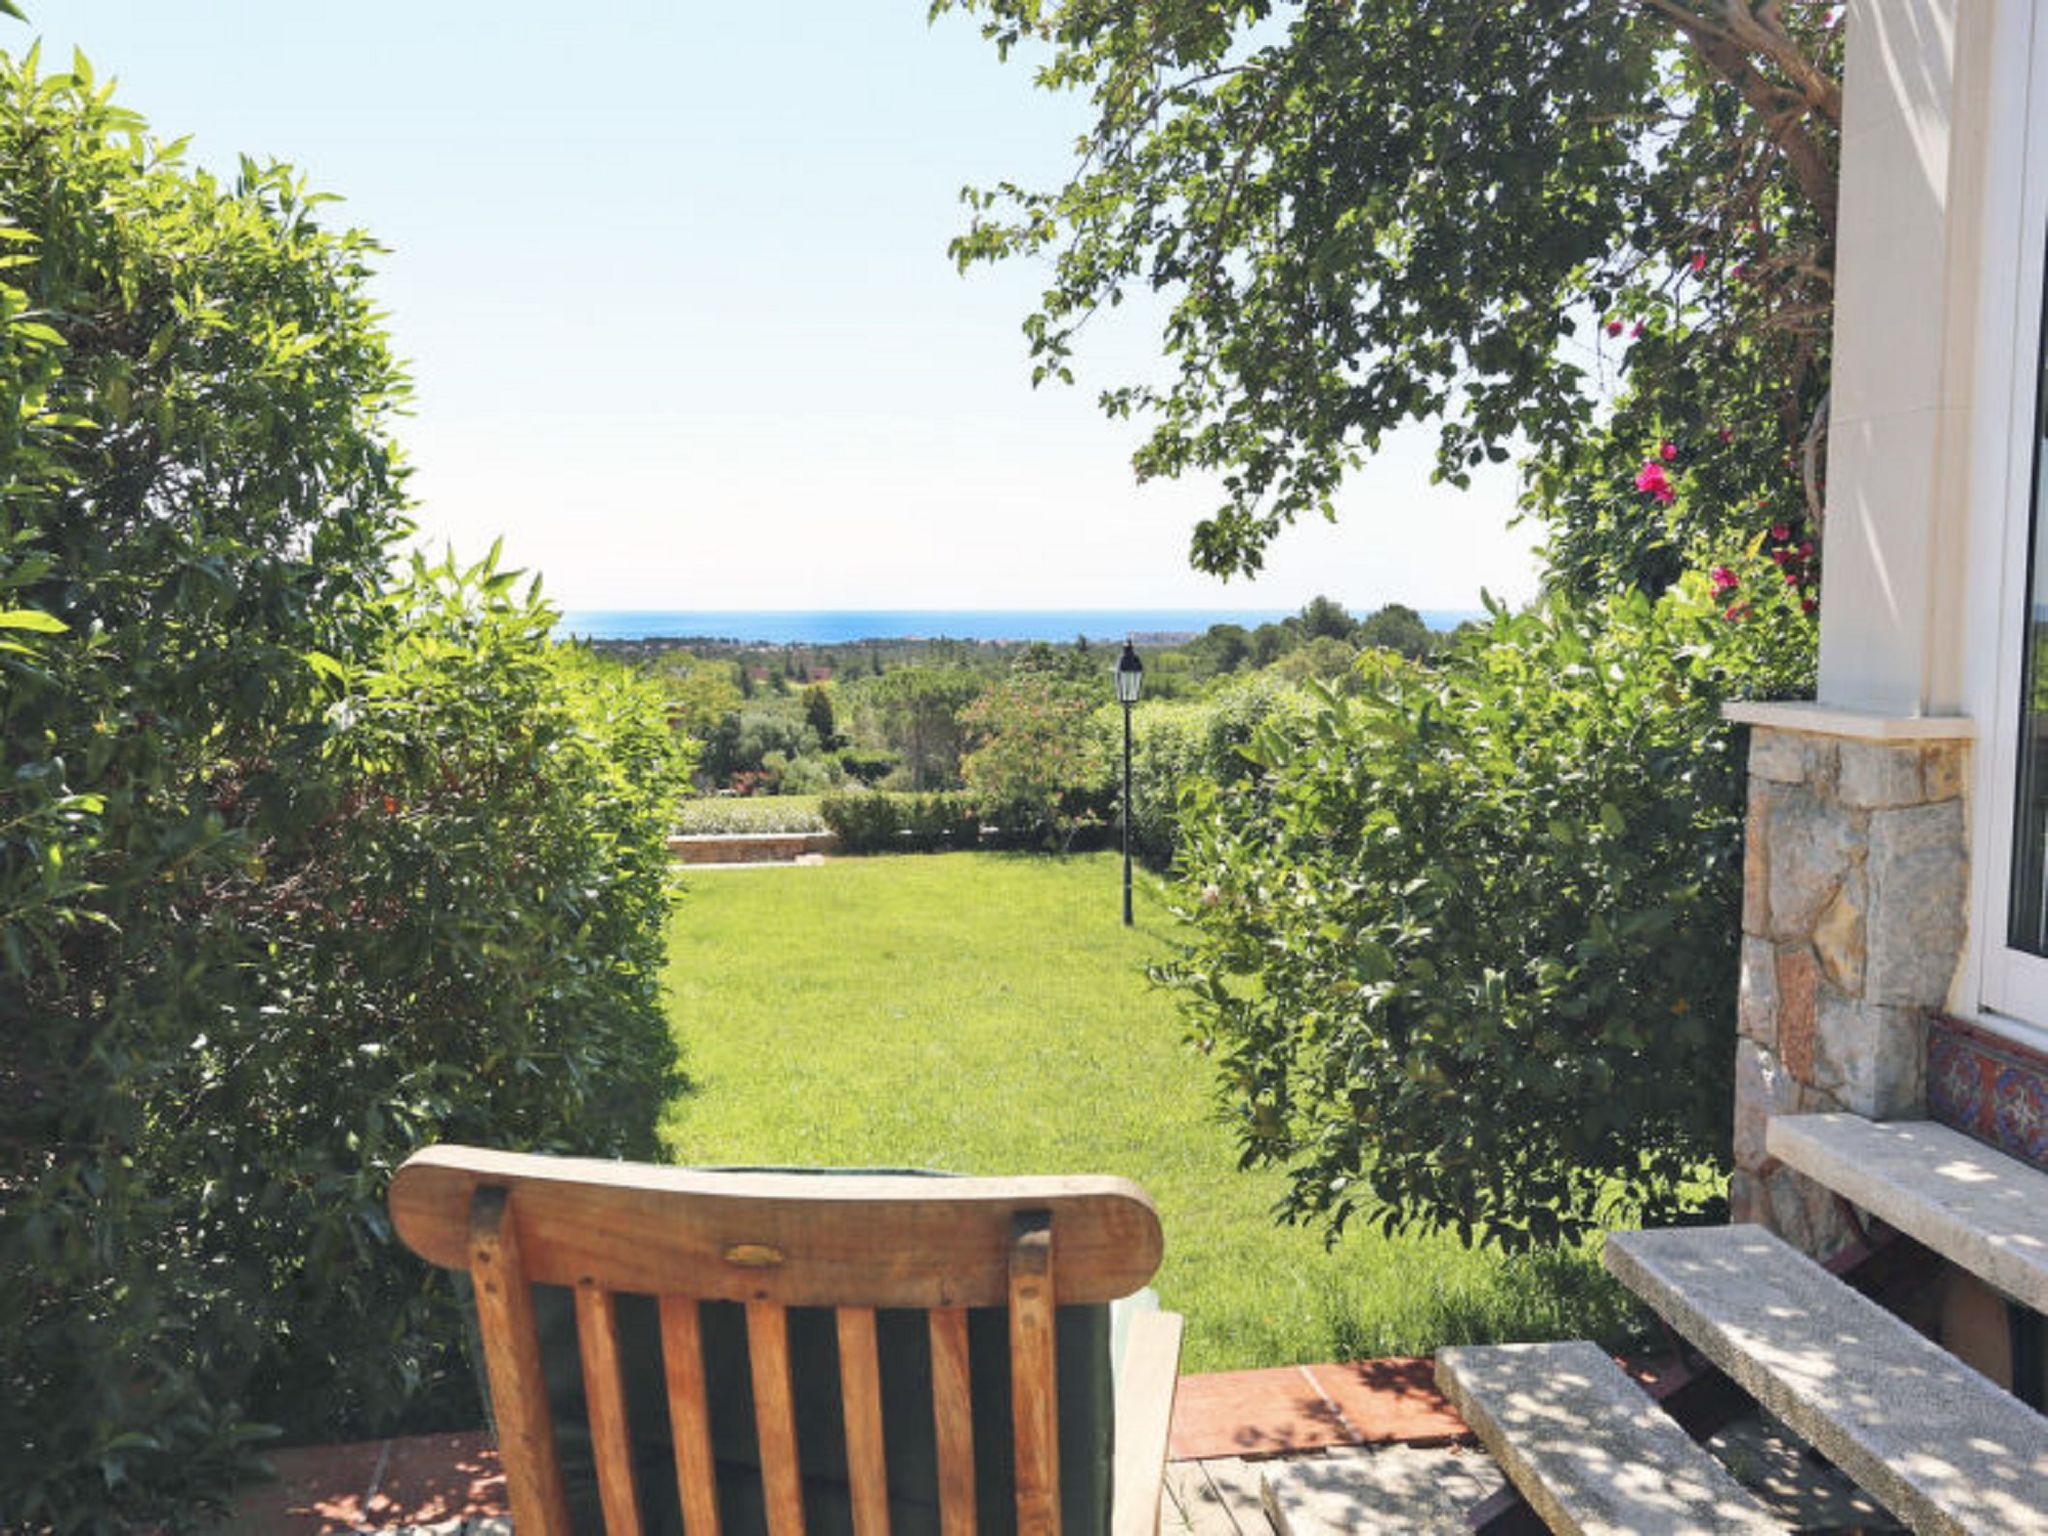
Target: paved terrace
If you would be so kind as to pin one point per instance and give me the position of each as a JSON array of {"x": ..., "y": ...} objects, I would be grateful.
[
  {"x": 1225, "y": 1428},
  {"x": 1369, "y": 1446}
]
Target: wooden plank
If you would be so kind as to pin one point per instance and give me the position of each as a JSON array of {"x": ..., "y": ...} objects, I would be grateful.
[
  {"x": 860, "y": 1392},
  {"x": 782, "y": 1486},
  {"x": 604, "y": 1394},
  {"x": 1236, "y": 1490},
  {"x": 1190, "y": 1508},
  {"x": 1034, "y": 1387},
  {"x": 689, "y": 1414},
  {"x": 881, "y": 1240},
  {"x": 953, "y": 1416},
  {"x": 1144, "y": 1417},
  {"x": 519, "y": 1393}
]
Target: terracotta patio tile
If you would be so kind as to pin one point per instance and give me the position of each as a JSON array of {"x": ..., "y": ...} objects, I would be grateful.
[
  {"x": 1253, "y": 1413},
  {"x": 319, "y": 1489},
  {"x": 429, "y": 1479},
  {"x": 1390, "y": 1400},
  {"x": 433, "y": 1478}
]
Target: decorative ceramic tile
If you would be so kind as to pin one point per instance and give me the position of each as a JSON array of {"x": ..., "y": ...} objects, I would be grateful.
[
  {"x": 1989, "y": 1087},
  {"x": 2019, "y": 1109}
]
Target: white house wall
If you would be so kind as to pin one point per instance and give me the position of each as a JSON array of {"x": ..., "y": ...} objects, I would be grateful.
[{"x": 1898, "y": 467}]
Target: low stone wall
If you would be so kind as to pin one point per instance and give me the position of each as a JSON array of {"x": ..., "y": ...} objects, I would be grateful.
[
  {"x": 1854, "y": 888},
  {"x": 749, "y": 847}
]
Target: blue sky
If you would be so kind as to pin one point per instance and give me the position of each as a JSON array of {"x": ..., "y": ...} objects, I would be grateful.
[{"x": 673, "y": 284}]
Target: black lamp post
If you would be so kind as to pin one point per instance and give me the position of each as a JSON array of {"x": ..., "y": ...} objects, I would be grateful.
[{"x": 1130, "y": 673}]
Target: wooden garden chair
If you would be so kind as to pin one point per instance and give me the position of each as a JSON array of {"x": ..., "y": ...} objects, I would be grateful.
[{"x": 683, "y": 1280}]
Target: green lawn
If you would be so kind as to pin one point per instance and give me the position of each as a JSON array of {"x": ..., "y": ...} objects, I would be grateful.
[{"x": 988, "y": 1013}]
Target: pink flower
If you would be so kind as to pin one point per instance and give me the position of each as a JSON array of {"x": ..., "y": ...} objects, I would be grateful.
[
  {"x": 1726, "y": 436},
  {"x": 1722, "y": 580},
  {"x": 1699, "y": 261},
  {"x": 1636, "y": 334},
  {"x": 1652, "y": 481},
  {"x": 1667, "y": 450},
  {"x": 1780, "y": 531},
  {"x": 1808, "y": 605},
  {"x": 1806, "y": 549},
  {"x": 1614, "y": 327},
  {"x": 1781, "y": 555}
]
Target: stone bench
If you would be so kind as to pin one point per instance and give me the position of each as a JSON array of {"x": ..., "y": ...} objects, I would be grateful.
[{"x": 1977, "y": 1208}]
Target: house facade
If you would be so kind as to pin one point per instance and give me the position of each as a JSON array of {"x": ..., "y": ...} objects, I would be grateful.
[{"x": 1895, "y": 917}]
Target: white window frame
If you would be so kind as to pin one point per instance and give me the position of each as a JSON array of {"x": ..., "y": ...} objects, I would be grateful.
[{"x": 1998, "y": 986}]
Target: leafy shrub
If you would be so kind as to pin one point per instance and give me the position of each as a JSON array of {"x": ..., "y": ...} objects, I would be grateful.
[
  {"x": 1397, "y": 627},
  {"x": 864, "y": 822},
  {"x": 1175, "y": 745},
  {"x": 1169, "y": 751},
  {"x": 1036, "y": 770},
  {"x": 932, "y": 822},
  {"x": 868, "y": 768},
  {"x": 808, "y": 776},
  {"x": 483, "y": 882},
  {"x": 1465, "y": 945},
  {"x": 875, "y": 821},
  {"x": 744, "y": 740},
  {"x": 1324, "y": 659},
  {"x": 915, "y": 713},
  {"x": 296, "y": 873}
]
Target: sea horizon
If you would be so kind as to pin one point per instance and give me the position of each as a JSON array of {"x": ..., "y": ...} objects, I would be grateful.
[{"x": 850, "y": 626}]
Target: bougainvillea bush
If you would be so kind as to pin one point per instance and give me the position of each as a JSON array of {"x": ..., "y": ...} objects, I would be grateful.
[
  {"x": 300, "y": 866},
  {"x": 1465, "y": 942}
]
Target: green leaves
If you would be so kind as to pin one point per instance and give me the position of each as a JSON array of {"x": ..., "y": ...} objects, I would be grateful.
[
  {"x": 1466, "y": 951},
  {"x": 323, "y": 665},
  {"x": 1350, "y": 212},
  {"x": 299, "y": 868},
  {"x": 1037, "y": 768},
  {"x": 1361, "y": 216},
  {"x": 32, "y": 620}
]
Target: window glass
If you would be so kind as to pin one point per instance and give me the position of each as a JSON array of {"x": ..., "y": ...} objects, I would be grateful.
[{"x": 2028, "y": 928}]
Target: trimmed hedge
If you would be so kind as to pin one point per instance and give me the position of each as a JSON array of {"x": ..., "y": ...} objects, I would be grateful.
[
  {"x": 875, "y": 821},
  {"x": 1177, "y": 745},
  {"x": 749, "y": 813}
]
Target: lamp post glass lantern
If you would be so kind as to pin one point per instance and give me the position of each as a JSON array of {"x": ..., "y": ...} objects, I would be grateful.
[{"x": 1130, "y": 674}]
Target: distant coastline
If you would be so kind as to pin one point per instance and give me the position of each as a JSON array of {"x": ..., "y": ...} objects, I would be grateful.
[{"x": 850, "y": 626}]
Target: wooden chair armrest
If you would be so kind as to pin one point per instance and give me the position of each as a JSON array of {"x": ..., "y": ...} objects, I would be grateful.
[{"x": 1144, "y": 1415}]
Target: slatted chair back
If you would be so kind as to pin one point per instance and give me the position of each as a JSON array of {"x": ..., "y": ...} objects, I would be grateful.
[{"x": 770, "y": 1241}]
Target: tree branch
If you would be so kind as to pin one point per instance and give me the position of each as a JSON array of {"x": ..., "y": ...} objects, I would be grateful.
[{"x": 1727, "y": 52}]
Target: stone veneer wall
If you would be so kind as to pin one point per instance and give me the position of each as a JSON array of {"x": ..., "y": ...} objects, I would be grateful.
[{"x": 1855, "y": 882}]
